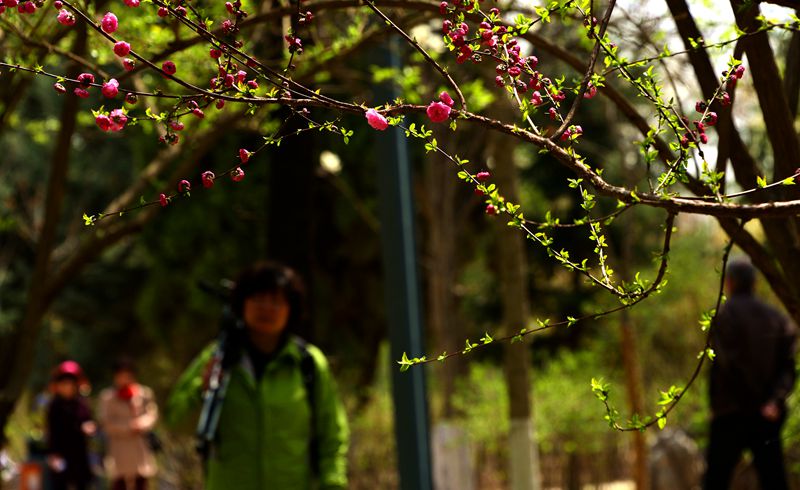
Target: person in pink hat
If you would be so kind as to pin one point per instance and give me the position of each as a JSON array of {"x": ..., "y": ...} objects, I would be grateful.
[{"x": 69, "y": 425}]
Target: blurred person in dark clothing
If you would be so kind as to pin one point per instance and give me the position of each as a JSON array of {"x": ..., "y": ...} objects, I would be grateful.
[
  {"x": 752, "y": 374},
  {"x": 69, "y": 424}
]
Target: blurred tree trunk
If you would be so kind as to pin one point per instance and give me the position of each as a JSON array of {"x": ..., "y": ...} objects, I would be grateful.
[
  {"x": 524, "y": 472},
  {"x": 452, "y": 453},
  {"x": 18, "y": 347}
]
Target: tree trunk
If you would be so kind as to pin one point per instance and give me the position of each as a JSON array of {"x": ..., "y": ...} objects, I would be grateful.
[
  {"x": 524, "y": 470},
  {"x": 18, "y": 347},
  {"x": 633, "y": 385},
  {"x": 452, "y": 452}
]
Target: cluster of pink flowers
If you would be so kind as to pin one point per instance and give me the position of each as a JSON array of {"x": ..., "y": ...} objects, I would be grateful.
[
  {"x": 114, "y": 121},
  {"x": 709, "y": 118},
  {"x": 439, "y": 111}
]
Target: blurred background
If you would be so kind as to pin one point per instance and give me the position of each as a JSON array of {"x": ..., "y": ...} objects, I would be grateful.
[{"x": 131, "y": 288}]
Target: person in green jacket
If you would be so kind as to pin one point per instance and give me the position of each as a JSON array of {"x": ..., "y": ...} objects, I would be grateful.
[{"x": 265, "y": 439}]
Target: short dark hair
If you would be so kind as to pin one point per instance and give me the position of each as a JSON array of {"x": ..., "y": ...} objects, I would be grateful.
[
  {"x": 123, "y": 363},
  {"x": 742, "y": 276},
  {"x": 268, "y": 277}
]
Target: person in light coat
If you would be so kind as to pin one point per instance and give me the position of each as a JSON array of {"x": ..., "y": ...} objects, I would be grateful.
[{"x": 127, "y": 414}]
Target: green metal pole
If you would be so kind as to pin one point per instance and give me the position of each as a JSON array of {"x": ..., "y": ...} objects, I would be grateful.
[{"x": 404, "y": 312}]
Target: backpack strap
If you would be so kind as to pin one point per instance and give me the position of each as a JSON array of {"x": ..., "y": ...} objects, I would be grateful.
[{"x": 308, "y": 371}]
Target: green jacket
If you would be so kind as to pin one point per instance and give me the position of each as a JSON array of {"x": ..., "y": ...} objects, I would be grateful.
[{"x": 264, "y": 429}]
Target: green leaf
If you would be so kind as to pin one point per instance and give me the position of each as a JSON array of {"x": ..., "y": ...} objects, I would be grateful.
[{"x": 662, "y": 422}]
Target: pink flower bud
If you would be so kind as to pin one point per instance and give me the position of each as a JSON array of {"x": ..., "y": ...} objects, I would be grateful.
[
  {"x": 162, "y": 12},
  {"x": 176, "y": 125},
  {"x": 376, "y": 120},
  {"x": 552, "y": 113},
  {"x": 180, "y": 11},
  {"x": 59, "y": 88},
  {"x": 438, "y": 112},
  {"x": 131, "y": 3},
  {"x": 81, "y": 92},
  {"x": 169, "y": 67},
  {"x": 482, "y": 176},
  {"x": 85, "y": 79},
  {"x": 184, "y": 186},
  {"x": 215, "y": 53},
  {"x": 711, "y": 118},
  {"x": 252, "y": 84},
  {"x": 110, "y": 89},
  {"x": 220, "y": 104},
  {"x": 241, "y": 75},
  {"x": 58, "y": 4},
  {"x": 131, "y": 99},
  {"x": 445, "y": 97},
  {"x": 208, "y": 179},
  {"x": 118, "y": 119},
  {"x": 498, "y": 80},
  {"x": 64, "y": 17},
  {"x": 536, "y": 98},
  {"x": 122, "y": 49},
  {"x": 163, "y": 200},
  {"x": 244, "y": 155},
  {"x": 109, "y": 23},
  {"x": 103, "y": 122},
  {"x": 443, "y": 8},
  {"x": 198, "y": 113},
  {"x": 491, "y": 210},
  {"x": 738, "y": 72},
  {"x": 237, "y": 174},
  {"x": 128, "y": 64}
]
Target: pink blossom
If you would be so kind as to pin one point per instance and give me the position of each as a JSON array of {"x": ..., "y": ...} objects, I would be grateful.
[
  {"x": 208, "y": 179},
  {"x": 237, "y": 174},
  {"x": 128, "y": 64},
  {"x": 118, "y": 119},
  {"x": 163, "y": 200},
  {"x": 163, "y": 12},
  {"x": 711, "y": 118},
  {"x": 252, "y": 84},
  {"x": 482, "y": 176},
  {"x": 490, "y": 209},
  {"x": 59, "y": 88},
  {"x": 184, "y": 186},
  {"x": 445, "y": 97},
  {"x": 103, "y": 122},
  {"x": 241, "y": 75},
  {"x": 438, "y": 112},
  {"x": 10, "y": 3},
  {"x": 198, "y": 113},
  {"x": 58, "y": 4},
  {"x": 244, "y": 155},
  {"x": 85, "y": 79},
  {"x": 65, "y": 17},
  {"x": 376, "y": 120},
  {"x": 81, "y": 92},
  {"x": 110, "y": 88},
  {"x": 109, "y": 23},
  {"x": 215, "y": 53},
  {"x": 590, "y": 92},
  {"x": 220, "y": 104},
  {"x": 131, "y": 3},
  {"x": 536, "y": 98},
  {"x": 176, "y": 125},
  {"x": 122, "y": 49},
  {"x": 169, "y": 67}
]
